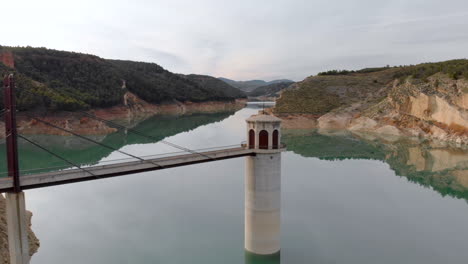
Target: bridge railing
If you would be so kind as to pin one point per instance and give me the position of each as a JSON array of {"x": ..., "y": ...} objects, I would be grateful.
[
  {"x": 170, "y": 154},
  {"x": 113, "y": 161}
]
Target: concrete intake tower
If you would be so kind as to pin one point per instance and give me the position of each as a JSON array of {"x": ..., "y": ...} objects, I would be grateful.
[{"x": 263, "y": 185}]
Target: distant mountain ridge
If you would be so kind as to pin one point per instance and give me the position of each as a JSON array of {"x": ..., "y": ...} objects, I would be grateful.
[
  {"x": 270, "y": 90},
  {"x": 216, "y": 85},
  {"x": 249, "y": 86}
]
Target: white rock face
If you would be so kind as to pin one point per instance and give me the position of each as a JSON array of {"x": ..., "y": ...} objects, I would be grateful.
[
  {"x": 420, "y": 106},
  {"x": 334, "y": 121},
  {"x": 462, "y": 101},
  {"x": 448, "y": 114},
  {"x": 388, "y": 130},
  {"x": 437, "y": 109},
  {"x": 362, "y": 124},
  {"x": 438, "y": 133}
]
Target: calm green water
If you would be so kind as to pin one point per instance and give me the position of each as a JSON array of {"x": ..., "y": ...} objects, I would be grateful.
[{"x": 345, "y": 199}]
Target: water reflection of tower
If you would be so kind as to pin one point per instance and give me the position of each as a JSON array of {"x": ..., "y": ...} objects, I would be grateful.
[{"x": 263, "y": 190}]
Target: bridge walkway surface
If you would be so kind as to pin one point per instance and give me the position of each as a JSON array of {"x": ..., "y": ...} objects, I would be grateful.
[{"x": 122, "y": 168}]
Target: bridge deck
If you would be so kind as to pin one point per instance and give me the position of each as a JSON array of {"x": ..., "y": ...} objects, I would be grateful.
[{"x": 124, "y": 168}]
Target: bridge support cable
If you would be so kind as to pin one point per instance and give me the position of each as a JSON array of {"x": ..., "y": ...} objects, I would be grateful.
[
  {"x": 127, "y": 128},
  {"x": 113, "y": 124},
  {"x": 57, "y": 155},
  {"x": 90, "y": 140}
]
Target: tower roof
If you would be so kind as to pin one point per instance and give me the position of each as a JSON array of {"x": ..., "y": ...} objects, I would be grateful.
[{"x": 263, "y": 118}]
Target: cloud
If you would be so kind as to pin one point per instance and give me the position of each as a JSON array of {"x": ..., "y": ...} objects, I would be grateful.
[
  {"x": 162, "y": 57},
  {"x": 248, "y": 39}
]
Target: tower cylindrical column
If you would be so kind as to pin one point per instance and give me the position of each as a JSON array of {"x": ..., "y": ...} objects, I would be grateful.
[{"x": 263, "y": 203}]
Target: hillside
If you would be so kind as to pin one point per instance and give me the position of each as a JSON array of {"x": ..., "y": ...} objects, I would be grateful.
[
  {"x": 323, "y": 93},
  {"x": 425, "y": 100},
  {"x": 216, "y": 86},
  {"x": 249, "y": 86},
  {"x": 71, "y": 81},
  {"x": 270, "y": 90}
]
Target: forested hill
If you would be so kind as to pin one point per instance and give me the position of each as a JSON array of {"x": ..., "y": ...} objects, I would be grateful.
[{"x": 70, "y": 81}]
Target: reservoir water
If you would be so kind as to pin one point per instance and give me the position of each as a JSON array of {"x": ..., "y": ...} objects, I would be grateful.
[{"x": 346, "y": 198}]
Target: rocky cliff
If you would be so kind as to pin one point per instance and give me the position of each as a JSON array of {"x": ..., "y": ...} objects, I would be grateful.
[
  {"x": 390, "y": 101},
  {"x": 33, "y": 241},
  {"x": 7, "y": 58}
]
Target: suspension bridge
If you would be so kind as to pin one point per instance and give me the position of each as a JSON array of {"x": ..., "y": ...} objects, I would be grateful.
[{"x": 262, "y": 176}]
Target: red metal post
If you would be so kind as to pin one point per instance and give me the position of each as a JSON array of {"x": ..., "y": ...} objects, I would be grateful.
[{"x": 10, "y": 131}]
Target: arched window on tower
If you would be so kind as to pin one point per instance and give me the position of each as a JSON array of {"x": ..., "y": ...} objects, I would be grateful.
[
  {"x": 263, "y": 139},
  {"x": 275, "y": 139},
  {"x": 251, "y": 139}
]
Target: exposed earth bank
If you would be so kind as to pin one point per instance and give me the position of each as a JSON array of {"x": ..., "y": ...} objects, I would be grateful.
[
  {"x": 130, "y": 113},
  {"x": 379, "y": 102}
]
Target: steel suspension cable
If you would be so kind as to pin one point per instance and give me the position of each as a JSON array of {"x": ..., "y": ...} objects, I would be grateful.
[
  {"x": 111, "y": 123},
  {"x": 130, "y": 129},
  {"x": 57, "y": 156},
  {"x": 88, "y": 139}
]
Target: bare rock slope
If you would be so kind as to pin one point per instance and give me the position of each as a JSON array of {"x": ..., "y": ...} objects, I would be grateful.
[{"x": 429, "y": 100}]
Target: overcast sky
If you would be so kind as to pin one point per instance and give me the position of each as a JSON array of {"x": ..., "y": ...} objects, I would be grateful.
[{"x": 251, "y": 39}]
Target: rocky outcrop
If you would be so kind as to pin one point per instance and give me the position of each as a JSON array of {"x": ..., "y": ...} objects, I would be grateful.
[
  {"x": 6, "y": 57},
  {"x": 362, "y": 124},
  {"x": 299, "y": 121},
  {"x": 434, "y": 108},
  {"x": 335, "y": 120},
  {"x": 135, "y": 110},
  {"x": 4, "y": 253}
]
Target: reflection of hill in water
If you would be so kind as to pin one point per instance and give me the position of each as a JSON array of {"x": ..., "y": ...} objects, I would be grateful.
[
  {"x": 84, "y": 152},
  {"x": 443, "y": 168}
]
